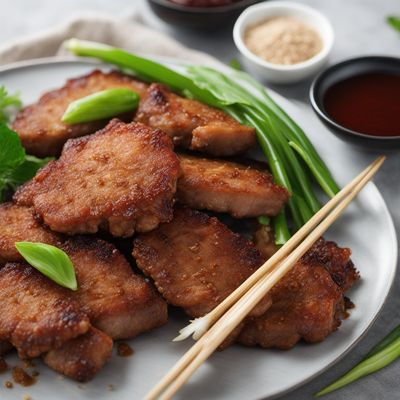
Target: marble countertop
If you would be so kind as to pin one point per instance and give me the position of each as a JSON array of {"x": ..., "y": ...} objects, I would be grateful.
[{"x": 360, "y": 29}]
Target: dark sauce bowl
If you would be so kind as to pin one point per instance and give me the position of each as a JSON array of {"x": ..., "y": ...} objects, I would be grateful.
[
  {"x": 199, "y": 18},
  {"x": 340, "y": 72}
]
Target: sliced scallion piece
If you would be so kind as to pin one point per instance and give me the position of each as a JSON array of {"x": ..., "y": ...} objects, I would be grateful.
[
  {"x": 50, "y": 261},
  {"x": 100, "y": 105},
  {"x": 383, "y": 354}
]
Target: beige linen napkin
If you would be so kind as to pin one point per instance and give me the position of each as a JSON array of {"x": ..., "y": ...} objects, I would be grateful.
[{"x": 128, "y": 33}]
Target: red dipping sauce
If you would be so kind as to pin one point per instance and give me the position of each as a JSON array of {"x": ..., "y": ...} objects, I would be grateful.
[{"x": 367, "y": 103}]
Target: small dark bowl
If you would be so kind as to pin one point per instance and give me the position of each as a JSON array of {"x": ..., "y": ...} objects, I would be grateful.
[
  {"x": 201, "y": 18},
  {"x": 344, "y": 70}
]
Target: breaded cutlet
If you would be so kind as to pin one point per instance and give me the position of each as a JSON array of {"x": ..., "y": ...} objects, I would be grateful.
[
  {"x": 192, "y": 124},
  {"x": 121, "y": 179},
  {"x": 81, "y": 358},
  {"x": 39, "y": 125},
  {"x": 37, "y": 314},
  {"x": 19, "y": 224},
  {"x": 117, "y": 300},
  {"x": 228, "y": 187},
  {"x": 196, "y": 261},
  {"x": 308, "y": 302}
]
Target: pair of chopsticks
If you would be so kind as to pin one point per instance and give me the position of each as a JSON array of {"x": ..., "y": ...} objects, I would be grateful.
[{"x": 228, "y": 314}]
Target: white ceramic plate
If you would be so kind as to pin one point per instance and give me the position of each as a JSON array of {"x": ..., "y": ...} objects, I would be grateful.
[{"x": 238, "y": 372}]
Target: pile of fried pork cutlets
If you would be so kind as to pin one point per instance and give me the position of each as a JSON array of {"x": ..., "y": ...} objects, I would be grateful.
[{"x": 145, "y": 177}]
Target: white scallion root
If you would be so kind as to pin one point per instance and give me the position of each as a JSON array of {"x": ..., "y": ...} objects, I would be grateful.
[{"x": 196, "y": 328}]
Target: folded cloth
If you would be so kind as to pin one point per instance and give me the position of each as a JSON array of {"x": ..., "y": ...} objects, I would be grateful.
[{"x": 127, "y": 33}]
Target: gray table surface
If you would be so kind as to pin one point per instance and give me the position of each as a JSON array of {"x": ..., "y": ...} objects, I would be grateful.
[{"x": 360, "y": 30}]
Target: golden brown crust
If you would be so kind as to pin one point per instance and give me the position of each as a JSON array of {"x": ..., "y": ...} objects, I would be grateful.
[
  {"x": 37, "y": 314},
  {"x": 81, "y": 358},
  {"x": 117, "y": 301},
  {"x": 122, "y": 178},
  {"x": 336, "y": 260},
  {"x": 192, "y": 124},
  {"x": 39, "y": 125},
  {"x": 196, "y": 261},
  {"x": 18, "y": 224},
  {"x": 307, "y": 303},
  {"x": 224, "y": 186}
]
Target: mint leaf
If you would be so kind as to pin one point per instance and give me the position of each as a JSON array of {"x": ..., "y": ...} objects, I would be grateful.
[
  {"x": 15, "y": 166},
  {"x": 12, "y": 154},
  {"x": 394, "y": 22},
  {"x": 26, "y": 171},
  {"x": 8, "y": 104}
]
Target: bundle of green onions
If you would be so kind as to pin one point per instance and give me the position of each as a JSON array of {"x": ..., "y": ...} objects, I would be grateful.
[{"x": 291, "y": 156}]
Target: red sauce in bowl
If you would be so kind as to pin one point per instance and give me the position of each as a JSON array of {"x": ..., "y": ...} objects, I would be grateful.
[
  {"x": 204, "y": 3},
  {"x": 367, "y": 103}
]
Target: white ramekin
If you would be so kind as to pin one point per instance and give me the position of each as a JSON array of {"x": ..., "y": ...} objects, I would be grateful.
[{"x": 283, "y": 73}]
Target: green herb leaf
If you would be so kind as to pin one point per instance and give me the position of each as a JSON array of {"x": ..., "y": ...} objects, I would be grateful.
[
  {"x": 388, "y": 339},
  {"x": 264, "y": 220},
  {"x": 104, "y": 104},
  {"x": 8, "y": 104},
  {"x": 372, "y": 364},
  {"x": 26, "y": 171},
  {"x": 50, "y": 261},
  {"x": 235, "y": 64},
  {"x": 383, "y": 354},
  {"x": 15, "y": 167},
  {"x": 12, "y": 154},
  {"x": 394, "y": 22}
]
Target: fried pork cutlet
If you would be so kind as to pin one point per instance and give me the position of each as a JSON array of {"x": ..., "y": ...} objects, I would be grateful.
[
  {"x": 39, "y": 125},
  {"x": 81, "y": 358},
  {"x": 196, "y": 261},
  {"x": 18, "y": 224},
  {"x": 122, "y": 179},
  {"x": 117, "y": 301},
  {"x": 224, "y": 186},
  {"x": 308, "y": 303},
  {"x": 192, "y": 124},
  {"x": 37, "y": 314}
]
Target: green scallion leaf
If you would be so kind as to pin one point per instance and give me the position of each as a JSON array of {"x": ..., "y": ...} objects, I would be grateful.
[
  {"x": 235, "y": 64},
  {"x": 383, "y": 354},
  {"x": 392, "y": 336},
  {"x": 394, "y": 22},
  {"x": 50, "y": 261},
  {"x": 264, "y": 220},
  {"x": 8, "y": 104},
  {"x": 104, "y": 104}
]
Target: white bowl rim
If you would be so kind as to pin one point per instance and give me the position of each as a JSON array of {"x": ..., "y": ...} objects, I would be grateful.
[{"x": 292, "y": 6}]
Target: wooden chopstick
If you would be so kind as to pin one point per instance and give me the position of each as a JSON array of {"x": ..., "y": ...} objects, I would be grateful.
[
  {"x": 288, "y": 247},
  {"x": 253, "y": 293}
]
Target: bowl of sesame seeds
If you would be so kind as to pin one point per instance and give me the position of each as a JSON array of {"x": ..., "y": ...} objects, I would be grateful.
[{"x": 283, "y": 42}]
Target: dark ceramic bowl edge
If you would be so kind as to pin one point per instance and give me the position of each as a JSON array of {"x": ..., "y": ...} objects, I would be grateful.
[
  {"x": 203, "y": 10},
  {"x": 336, "y": 128}
]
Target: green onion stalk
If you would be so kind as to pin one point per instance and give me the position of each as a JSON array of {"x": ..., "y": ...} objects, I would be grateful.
[
  {"x": 383, "y": 354},
  {"x": 291, "y": 156},
  {"x": 104, "y": 104}
]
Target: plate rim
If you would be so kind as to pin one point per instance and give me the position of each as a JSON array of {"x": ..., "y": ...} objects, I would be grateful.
[{"x": 57, "y": 60}]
